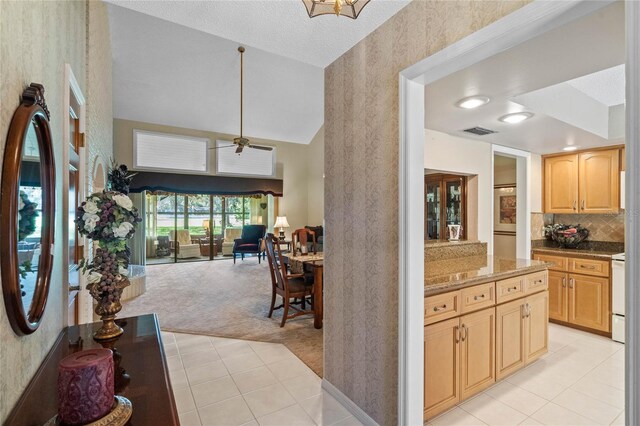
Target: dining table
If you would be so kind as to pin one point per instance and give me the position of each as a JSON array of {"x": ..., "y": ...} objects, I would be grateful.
[{"x": 312, "y": 262}]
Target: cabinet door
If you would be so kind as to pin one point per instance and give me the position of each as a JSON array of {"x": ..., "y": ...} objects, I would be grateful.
[
  {"x": 477, "y": 352},
  {"x": 536, "y": 335},
  {"x": 441, "y": 367},
  {"x": 561, "y": 184},
  {"x": 432, "y": 209},
  {"x": 589, "y": 302},
  {"x": 510, "y": 353},
  {"x": 599, "y": 181},
  {"x": 558, "y": 295}
]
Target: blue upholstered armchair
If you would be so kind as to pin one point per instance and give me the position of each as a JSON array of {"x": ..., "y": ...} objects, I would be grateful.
[{"x": 251, "y": 241}]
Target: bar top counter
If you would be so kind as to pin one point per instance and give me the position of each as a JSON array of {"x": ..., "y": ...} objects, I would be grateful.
[{"x": 445, "y": 275}]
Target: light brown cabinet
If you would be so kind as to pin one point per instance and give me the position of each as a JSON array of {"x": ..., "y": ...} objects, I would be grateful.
[
  {"x": 469, "y": 342},
  {"x": 587, "y": 182},
  {"x": 579, "y": 292},
  {"x": 459, "y": 360},
  {"x": 521, "y": 333}
]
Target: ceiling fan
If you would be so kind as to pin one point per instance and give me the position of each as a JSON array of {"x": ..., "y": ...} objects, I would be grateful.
[{"x": 241, "y": 142}]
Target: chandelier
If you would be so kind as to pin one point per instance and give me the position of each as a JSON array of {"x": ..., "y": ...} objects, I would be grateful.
[{"x": 349, "y": 8}]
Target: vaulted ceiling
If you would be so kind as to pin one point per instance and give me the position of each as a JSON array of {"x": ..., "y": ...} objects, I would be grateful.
[{"x": 176, "y": 63}]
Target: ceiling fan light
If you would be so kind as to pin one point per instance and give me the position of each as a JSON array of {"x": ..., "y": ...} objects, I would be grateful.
[
  {"x": 472, "y": 102},
  {"x": 348, "y": 8},
  {"x": 516, "y": 117}
]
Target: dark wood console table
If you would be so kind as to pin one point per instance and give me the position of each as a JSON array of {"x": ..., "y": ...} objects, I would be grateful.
[{"x": 141, "y": 375}]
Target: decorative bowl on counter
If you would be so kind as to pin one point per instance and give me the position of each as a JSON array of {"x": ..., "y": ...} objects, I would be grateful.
[{"x": 569, "y": 236}]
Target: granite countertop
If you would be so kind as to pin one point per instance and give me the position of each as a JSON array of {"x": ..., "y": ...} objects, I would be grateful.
[
  {"x": 441, "y": 276},
  {"x": 447, "y": 243},
  {"x": 587, "y": 252}
]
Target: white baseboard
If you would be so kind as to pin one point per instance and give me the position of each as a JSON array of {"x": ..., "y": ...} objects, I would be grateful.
[{"x": 357, "y": 412}]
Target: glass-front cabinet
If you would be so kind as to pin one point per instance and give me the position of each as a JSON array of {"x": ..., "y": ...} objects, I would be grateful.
[{"x": 445, "y": 204}]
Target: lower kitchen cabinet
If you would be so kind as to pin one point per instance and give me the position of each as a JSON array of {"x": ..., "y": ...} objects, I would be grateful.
[
  {"x": 459, "y": 360},
  {"x": 521, "y": 333},
  {"x": 558, "y": 296},
  {"x": 589, "y": 302},
  {"x": 477, "y": 352},
  {"x": 441, "y": 366}
]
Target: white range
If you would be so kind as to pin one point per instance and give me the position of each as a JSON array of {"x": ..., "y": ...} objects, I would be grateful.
[{"x": 618, "y": 302}]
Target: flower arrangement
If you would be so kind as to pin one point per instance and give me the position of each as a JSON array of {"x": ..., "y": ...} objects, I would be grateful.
[
  {"x": 27, "y": 215},
  {"x": 110, "y": 219}
]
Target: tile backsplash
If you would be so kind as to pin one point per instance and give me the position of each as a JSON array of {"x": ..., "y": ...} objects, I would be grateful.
[{"x": 602, "y": 227}]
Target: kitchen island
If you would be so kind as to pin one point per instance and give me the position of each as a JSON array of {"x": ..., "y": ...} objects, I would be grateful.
[{"x": 485, "y": 318}]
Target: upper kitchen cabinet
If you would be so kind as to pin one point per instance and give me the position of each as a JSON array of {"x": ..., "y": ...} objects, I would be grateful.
[
  {"x": 561, "y": 184},
  {"x": 587, "y": 182}
]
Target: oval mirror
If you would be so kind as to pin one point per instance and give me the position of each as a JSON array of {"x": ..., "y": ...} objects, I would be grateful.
[{"x": 27, "y": 212}]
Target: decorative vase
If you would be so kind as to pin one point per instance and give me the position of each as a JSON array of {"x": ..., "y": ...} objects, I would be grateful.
[
  {"x": 454, "y": 232},
  {"x": 107, "y": 310}
]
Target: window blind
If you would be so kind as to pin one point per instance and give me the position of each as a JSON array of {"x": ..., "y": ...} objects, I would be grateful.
[
  {"x": 161, "y": 151},
  {"x": 253, "y": 162}
]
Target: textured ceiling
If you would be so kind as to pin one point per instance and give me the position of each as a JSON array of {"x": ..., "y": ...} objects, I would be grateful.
[
  {"x": 277, "y": 26},
  {"x": 169, "y": 74},
  {"x": 606, "y": 86}
]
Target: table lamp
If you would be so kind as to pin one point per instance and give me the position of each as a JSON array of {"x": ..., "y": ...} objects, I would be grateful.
[
  {"x": 205, "y": 225},
  {"x": 281, "y": 222}
]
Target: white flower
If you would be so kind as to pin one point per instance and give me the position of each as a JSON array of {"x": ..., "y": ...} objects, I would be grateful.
[
  {"x": 122, "y": 230},
  {"x": 94, "y": 277},
  {"x": 123, "y": 271},
  {"x": 90, "y": 221},
  {"x": 90, "y": 207},
  {"x": 123, "y": 201},
  {"x": 20, "y": 204}
]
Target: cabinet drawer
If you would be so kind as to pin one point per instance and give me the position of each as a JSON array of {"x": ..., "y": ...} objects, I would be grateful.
[
  {"x": 559, "y": 263},
  {"x": 478, "y": 297},
  {"x": 598, "y": 268},
  {"x": 441, "y": 307},
  {"x": 510, "y": 289},
  {"x": 536, "y": 282}
]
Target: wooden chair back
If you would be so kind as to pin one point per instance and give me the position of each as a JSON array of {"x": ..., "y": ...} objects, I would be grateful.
[
  {"x": 277, "y": 265},
  {"x": 301, "y": 237}
]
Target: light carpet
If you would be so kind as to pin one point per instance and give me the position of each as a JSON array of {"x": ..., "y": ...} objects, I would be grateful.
[{"x": 221, "y": 299}]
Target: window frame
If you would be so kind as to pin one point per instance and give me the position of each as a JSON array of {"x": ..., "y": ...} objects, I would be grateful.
[{"x": 207, "y": 143}]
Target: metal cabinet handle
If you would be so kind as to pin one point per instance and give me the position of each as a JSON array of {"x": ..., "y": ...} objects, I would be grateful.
[
  {"x": 457, "y": 331},
  {"x": 582, "y": 204},
  {"x": 564, "y": 282},
  {"x": 538, "y": 281},
  {"x": 510, "y": 289},
  {"x": 588, "y": 266},
  {"x": 464, "y": 332},
  {"x": 480, "y": 296},
  {"x": 439, "y": 308},
  {"x": 574, "y": 204},
  {"x": 528, "y": 310},
  {"x": 571, "y": 282},
  {"x": 523, "y": 308}
]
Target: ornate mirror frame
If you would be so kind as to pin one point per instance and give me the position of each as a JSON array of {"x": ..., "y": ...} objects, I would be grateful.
[{"x": 32, "y": 109}]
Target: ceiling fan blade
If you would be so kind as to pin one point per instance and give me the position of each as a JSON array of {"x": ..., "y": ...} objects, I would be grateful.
[
  {"x": 264, "y": 148},
  {"x": 223, "y": 146},
  {"x": 239, "y": 149}
]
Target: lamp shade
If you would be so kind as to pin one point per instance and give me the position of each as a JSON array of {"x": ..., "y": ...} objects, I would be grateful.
[
  {"x": 348, "y": 8},
  {"x": 281, "y": 222},
  {"x": 205, "y": 224}
]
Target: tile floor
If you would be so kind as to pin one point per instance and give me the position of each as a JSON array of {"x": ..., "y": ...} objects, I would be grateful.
[
  {"x": 219, "y": 381},
  {"x": 579, "y": 382}
]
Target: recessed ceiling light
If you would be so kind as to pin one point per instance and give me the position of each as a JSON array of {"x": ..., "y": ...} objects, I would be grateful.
[
  {"x": 570, "y": 148},
  {"x": 516, "y": 117},
  {"x": 472, "y": 102}
]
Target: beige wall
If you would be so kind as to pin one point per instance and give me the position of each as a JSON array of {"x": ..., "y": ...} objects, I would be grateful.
[
  {"x": 297, "y": 165},
  {"x": 37, "y": 38},
  {"x": 361, "y": 169}
]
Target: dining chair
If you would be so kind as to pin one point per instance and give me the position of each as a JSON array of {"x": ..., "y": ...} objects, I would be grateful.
[
  {"x": 286, "y": 285},
  {"x": 304, "y": 238}
]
